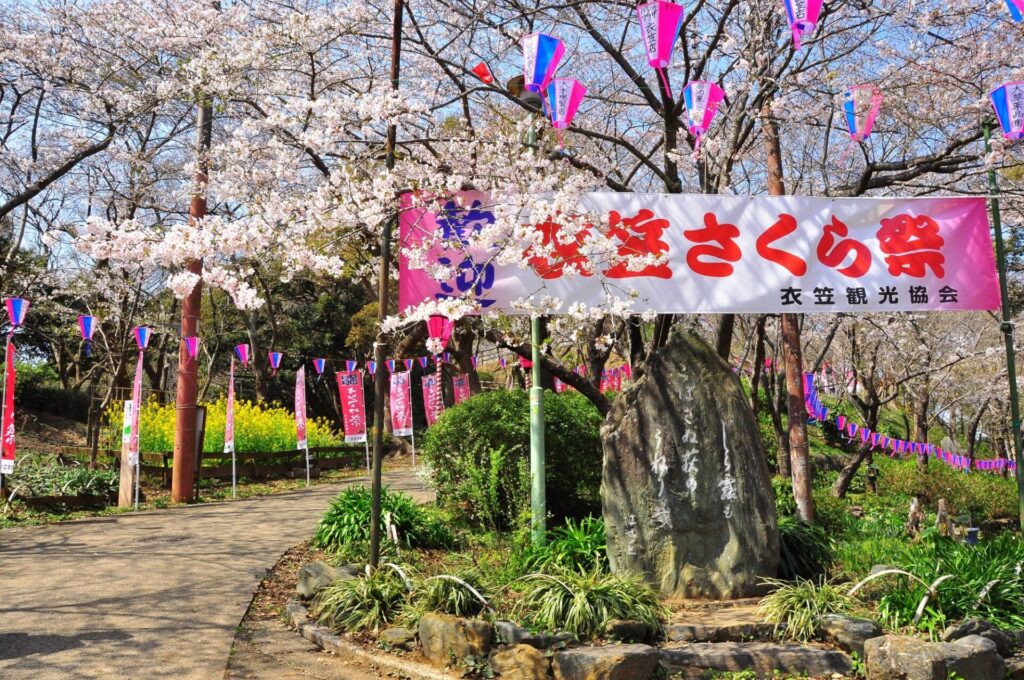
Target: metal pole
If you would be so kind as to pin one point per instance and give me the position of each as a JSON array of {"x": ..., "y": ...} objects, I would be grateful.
[
  {"x": 379, "y": 347},
  {"x": 183, "y": 472},
  {"x": 538, "y": 498},
  {"x": 1006, "y": 326}
]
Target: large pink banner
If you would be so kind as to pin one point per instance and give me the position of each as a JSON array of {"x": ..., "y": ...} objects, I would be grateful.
[
  {"x": 460, "y": 387},
  {"x": 300, "y": 409},
  {"x": 433, "y": 401},
  {"x": 701, "y": 253},
  {"x": 401, "y": 404},
  {"x": 7, "y": 450},
  {"x": 353, "y": 407}
]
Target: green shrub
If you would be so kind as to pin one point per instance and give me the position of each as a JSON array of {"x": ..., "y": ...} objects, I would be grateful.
[
  {"x": 43, "y": 475},
  {"x": 983, "y": 496},
  {"x": 575, "y": 546},
  {"x": 478, "y": 453},
  {"x": 805, "y": 551},
  {"x": 460, "y": 595},
  {"x": 347, "y": 521},
  {"x": 830, "y": 513},
  {"x": 785, "y": 504},
  {"x": 794, "y": 608},
  {"x": 582, "y": 604},
  {"x": 364, "y": 603}
]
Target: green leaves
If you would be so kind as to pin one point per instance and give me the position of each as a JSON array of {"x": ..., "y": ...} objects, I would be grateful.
[
  {"x": 795, "y": 608},
  {"x": 575, "y": 546},
  {"x": 805, "y": 550},
  {"x": 347, "y": 521}
]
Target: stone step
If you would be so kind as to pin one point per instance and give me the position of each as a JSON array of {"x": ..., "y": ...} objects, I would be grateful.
[
  {"x": 701, "y": 632},
  {"x": 694, "y": 659}
]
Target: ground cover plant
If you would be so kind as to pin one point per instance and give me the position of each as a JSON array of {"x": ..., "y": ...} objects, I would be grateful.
[{"x": 347, "y": 521}]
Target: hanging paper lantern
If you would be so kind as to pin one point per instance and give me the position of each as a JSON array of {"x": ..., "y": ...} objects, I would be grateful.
[
  {"x": 319, "y": 365},
  {"x": 564, "y": 97},
  {"x": 191, "y": 346},
  {"x": 1016, "y": 8},
  {"x": 541, "y": 55},
  {"x": 242, "y": 352},
  {"x": 350, "y": 365},
  {"x": 503, "y": 362},
  {"x": 390, "y": 363},
  {"x": 702, "y": 99},
  {"x": 142, "y": 336},
  {"x": 439, "y": 330},
  {"x": 1008, "y": 101},
  {"x": 472, "y": 361},
  {"x": 424, "y": 361},
  {"x": 408, "y": 364},
  {"x": 371, "y": 367},
  {"x": 525, "y": 363},
  {"x": 275, "y": 361},
  {"x": 861, "y": 106},
  {"x": 803, "y": 16},
  {"x": 660, "y": 23},
  {"x": 448, "y": 357},
  {"x": 87, "y": 325},
  {"x": 16, "y": 310},
  {"x": 483, "y": 73}
]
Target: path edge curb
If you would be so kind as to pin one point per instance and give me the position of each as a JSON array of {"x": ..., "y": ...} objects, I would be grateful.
[{"x": 298, "y": 618}]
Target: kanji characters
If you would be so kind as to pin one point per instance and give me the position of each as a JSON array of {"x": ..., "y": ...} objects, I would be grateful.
[
  {"x": 457, "y": 223},
  {"x": 823, "y": 295},
  {"x": 856, "y": 296},
  {"x": 722, "y": 234},
  {"x": 832, "y": 253},
  {"x": 563, "y": 252},
  {"x": 639, "y": 236},
  {"x": 785, "y": 225},
  {"x": 790, "y": 296},
  {"x": 912, "y": 245},
  {"x": 469, "y": 276},
  {"x": 888, "y": 294},
  {"x": 918, "y": 295}
]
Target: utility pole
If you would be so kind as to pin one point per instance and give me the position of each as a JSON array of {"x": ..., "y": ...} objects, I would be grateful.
[
  {"x": 1006, "y": 326},
  {"x": 791, "y": 349},
  {"x": 183, "y": 472},
  {"x": 380, "y": 345}
]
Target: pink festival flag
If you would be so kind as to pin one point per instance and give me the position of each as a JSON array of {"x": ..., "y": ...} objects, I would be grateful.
[
  {"x": 133, "y": 440},
  {"x": 300, "y": 409},
  {"x": 353, "y": 407},
  {"x": 7, "y": 450},
  {"x": 401, "y": 404},
  {"x": 460, "y": 387},
  {"x": 229, "y": 413},
  {"x": 433, "y": 402}
]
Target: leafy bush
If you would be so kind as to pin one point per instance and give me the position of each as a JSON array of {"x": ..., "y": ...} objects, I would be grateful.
[
  {"x": 582, "y": 604},
  {"x": 805, "y": 550},
  {"x": 983, "y": 496},
  {"x": 795, "y": 608},
  {"x": 460, "y": 595},
  {"x": 785, "y": 504},
  {"x": 987, "y": 582},
  {"x": 575, "y": 546},
  {"x": 258, "y": 427},
  {"x": 364, "y": 603},
  {"x": 347, "y": 521},
  {"x": 39, "y": 475},
  {"x": 478, "y": 452}
]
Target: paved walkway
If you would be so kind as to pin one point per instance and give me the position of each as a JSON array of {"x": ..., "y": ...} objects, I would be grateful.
[{"x": 150, "y": 595}]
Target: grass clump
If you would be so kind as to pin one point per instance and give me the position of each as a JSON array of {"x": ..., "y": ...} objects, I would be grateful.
[
  {"x": 364, "y": 603},
  {"x": 347, "y": 522},
  {"x": 795, "y": 607},
  {"x": 575, "y": 546},
  {"x": 805, "y": 550}
]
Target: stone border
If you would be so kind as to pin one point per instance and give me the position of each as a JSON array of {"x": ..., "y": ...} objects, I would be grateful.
[{"x": 298, "y": 618}]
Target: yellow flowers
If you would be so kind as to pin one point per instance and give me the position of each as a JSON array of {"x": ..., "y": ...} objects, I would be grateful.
[{"x": 257, "y": 428}]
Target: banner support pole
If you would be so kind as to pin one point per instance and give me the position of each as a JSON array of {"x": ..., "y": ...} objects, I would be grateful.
[
  {"x": 538, "y": 497},
  {"x": 1005, "y": 325}
]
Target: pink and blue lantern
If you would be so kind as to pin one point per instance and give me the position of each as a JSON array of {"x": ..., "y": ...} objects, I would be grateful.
[
  {"x": 1008, "y": 101},
  {"x": 319, "y": 365},
  {"x": 242, "y": 352},
  {"x": 472, "y": 361},
  {"x": 350, "y": 365},
  {"x": 861, "y": 106},
  {"x": 701, "y": 99},
  {"x": 87, "y": 325},
  {"x": 16, "y": 310},
  {"x": 423, "y": 362},
  {"x": 541, "y": 56},
  {"x": 390, "y": 363},
  {"x": 191, "y": 346},
  {"x": 142, "y": 336},
  {"x": 802, "y": 16},
  {"x": 1016, "y": 8},
  {"x": 275, "y": 361},
  {"x": 371, "y": 367},
  {"x": 564, "y": 97},
  {"x": 408, "y": 364},
  {"x": 660, "y": 23}
]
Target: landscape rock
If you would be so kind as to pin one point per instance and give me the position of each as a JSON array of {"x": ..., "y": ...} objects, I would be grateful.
[
  {"x": 508, "y": 633},
  {"x": 316, "y": 576},
  {"x": 686, "y": 493},
  {"x": 629, "y": 631},
  {"x": 847, "y": 632},
  {"x": 696, "y": 660},
  {"x": 400, "y": 638},
  {"x": 895, "y": 657},
  {"x": 614, "y": 662},
  {"x": 444, "y": 637},
  {"x": 1005, "y": 642},
  {"x": 520, "y": 662},
  {"x": 1015, "y": 669}
]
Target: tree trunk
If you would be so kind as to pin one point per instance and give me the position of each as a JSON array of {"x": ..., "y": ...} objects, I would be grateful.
[
  {"x": 798, "y": 449},
  {"x": 921, "y": 427},
  {"x": 755, "y": 376},
  {"x": 972, "y": 430},
  {"x": 726, "y": 324}
]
